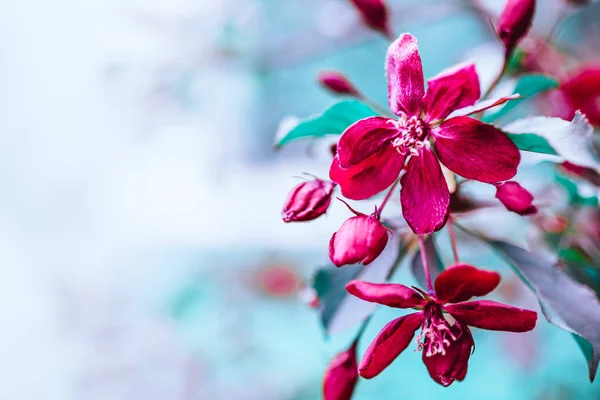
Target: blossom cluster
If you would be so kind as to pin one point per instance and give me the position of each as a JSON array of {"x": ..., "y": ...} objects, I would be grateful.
[{"x": 431, "y": 137}]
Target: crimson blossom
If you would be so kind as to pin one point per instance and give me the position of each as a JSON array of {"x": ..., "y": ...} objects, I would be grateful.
[
  {"x": 372, "y": 152},
  {"x": 444, "y": 319}
]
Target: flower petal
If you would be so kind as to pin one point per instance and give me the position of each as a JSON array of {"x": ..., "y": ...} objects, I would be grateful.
[
  {"x": 405, "y": 76},
  {"x": 483, "y": 105},
  {"x": 487, "y": 314},
  {"x": 370, "y": 177},
  {"x": 363, "y": 139},
  {"x": 425, "y": 197},
  {"x": 462, "y": 281},
  {"x": 447, "y": 367},
  {"x": 476, "y": 150},
  {"x": 451, "y": 89},
  {"x": 388, "y": 294},
  {"x": 388, "y": 344}
]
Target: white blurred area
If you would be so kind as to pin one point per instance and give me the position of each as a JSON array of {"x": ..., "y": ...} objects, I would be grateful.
[{"x": 97, "y": 163}]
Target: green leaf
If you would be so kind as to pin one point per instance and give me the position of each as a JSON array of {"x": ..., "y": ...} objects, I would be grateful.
[
  {"x": 436, "y": 266},
  {"x": 570, "y": 140},
  {"x": 576, "y": 196},
  {"x": 340, "y": 310},
  {"x": 565, "y": 302},
  {"x": 332, "y": 121},
  {"x": 532, "y": 142},
  {"x": 527, "y": 86}
]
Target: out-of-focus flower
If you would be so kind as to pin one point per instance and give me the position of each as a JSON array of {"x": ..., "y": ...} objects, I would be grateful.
[
  {"x": 372, "y": 152},
  {"x": 360, "y": 239},
  {"x": 341, "y": 375},
  {"x": 278, "y": 281},
  {"x": 578, "y": 2},
  {"x": 514, "y": 22},
  {"x": 307, "y": 201},
  {"x": 444, "y": 319},
  {"x": 580, "y": 91},
  {"x": 337, "y": 83},
  {"x": 515, "y": 198},
  {"x": 375, "y": 14}
]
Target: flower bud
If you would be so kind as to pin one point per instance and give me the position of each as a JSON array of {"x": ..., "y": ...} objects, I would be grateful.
[
  {"x": 515, "y": 198},
  {"x": 514, "y": 22},
  {"x": 307, "y": 201},
  {"x": 341, "y": 376},
  {"x": 337, "y": 83},
  {"x": 360, "y": 239},
  {"x": 375, "y": 14}
]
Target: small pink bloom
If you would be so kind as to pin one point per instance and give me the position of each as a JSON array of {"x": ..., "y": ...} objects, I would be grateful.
[
  {"x": 375, "y": 14},
  {"x": 341, "y": 376},
  {"x": 307, "y": 201},
  {"x": 446, "y": 342},
  {"x": 515, "y": 21},
  {"x": 360, "y": 239},
  {"x": 515, "y": 198},
  {"x": 580, "y": 91},
  {"x": 372, "y": 152},
  {"x": 337, "y": 83}
]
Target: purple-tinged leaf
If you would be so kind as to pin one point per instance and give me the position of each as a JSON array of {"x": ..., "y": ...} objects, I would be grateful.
[{"x": 565, "y": 302}]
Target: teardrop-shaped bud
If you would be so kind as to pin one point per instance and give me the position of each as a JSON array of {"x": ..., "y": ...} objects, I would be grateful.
[
  {"x": 337, "y": 83},
  {"x": 360, "y": 239},
  {"x": 341, "y": 376},
  {"x": 514, "y": 22},
  {"x": 307, "y": 201},
  {"x": 375, "y": 14},
  {"x": 515, "y": 198}
]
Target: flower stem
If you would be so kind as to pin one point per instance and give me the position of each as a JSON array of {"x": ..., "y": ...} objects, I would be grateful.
[
  {"x": 425, "y": 265},
  {"x": 376, "y": 106},
  {"x": 452, "y": 235},
  {"x": 387, "y": 197},
  {"x": 498, "y": 77}
]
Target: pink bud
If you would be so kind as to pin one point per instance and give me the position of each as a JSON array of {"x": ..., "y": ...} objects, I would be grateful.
[
  {"x": 514, "y": 22},
  {"x": 375, "y": 14},
  {"x": 360, "y": 239},
  {"x": 337, "y": 83},
  {"x": 341, "y": 376},
  {"x": 515, "y": 198},
  {"x": 307, "y": 201}
]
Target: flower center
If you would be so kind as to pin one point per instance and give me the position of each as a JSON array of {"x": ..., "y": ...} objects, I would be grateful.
[
  {"x": 436, "y": 333},
  {"x": 413, "y": 135}
]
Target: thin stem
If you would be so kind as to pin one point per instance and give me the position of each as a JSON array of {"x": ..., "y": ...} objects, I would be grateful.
[
  {"x": 387, "y": 197},
  {"x": 452, "y": 235},
  {"x": 425, "y": 265},
  {"x": 498, "y": 77},
  {"x": 376, "y": 106}
]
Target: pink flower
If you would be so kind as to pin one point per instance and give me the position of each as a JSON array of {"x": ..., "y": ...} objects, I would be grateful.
[
  {"x": 372, "y": 152},
  {"x": 307, "y": 201},
  {"x": 360, "y": 239},
  {"x": 581, "y": 91},
  {"x": 341, "y": 376},
  {"x": 444, "y": 319},
  {"x": 375, "y": 14},
  {"x": 514, "y": 22},
  {"x": 515, "y": 198},
  {"x": 337, "y": 83}
]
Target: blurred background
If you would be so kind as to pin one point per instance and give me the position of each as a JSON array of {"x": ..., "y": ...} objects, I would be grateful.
[{"x": 142, "y": 253}]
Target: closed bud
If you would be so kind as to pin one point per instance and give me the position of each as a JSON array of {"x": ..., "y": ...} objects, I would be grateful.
[
  {"x": 514, "y": 22},
  {"x": 360, "y": 239},
  {"x": 337, "y": 83},
  {"x": 515, "y": 198},
  {"x": 307, "y": 201},
  {"x": 341, "y": 376},
  {"x": 375, "y": 14}
]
